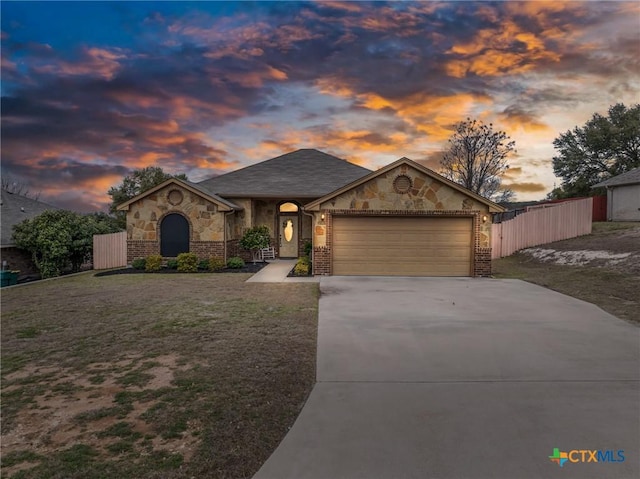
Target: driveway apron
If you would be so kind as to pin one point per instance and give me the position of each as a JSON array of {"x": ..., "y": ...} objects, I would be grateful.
[{"x": 464, "y": 378}]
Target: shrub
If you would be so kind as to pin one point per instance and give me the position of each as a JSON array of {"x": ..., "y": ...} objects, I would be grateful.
[
  {"x": 203, "y": 264},
  {"x": 216, "y": 264},
  {"x": 187, "y": 262},
  {"x": 172, "y": 264},
  {"x": 153, "y": 262},
  {"x": 308, "y": 247},
  {"x": 255, "y": 238},
  {"x": 235, "y": 262},
  {"x": 302, "y": 266},
  {"x": 139, "y": 263}
]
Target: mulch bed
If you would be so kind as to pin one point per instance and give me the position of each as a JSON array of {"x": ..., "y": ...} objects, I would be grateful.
[{"x": 248, "y": 268}]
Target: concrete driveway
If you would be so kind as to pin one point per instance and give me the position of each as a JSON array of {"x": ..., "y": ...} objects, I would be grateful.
[{"x": 464, "y": 378}]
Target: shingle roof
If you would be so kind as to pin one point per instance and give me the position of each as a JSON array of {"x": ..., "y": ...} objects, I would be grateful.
[
  {"x": 305, "y": 173},
  {"x": 631, "y": 177},
  {"x": 16, "y": 208},
  {"x": 224, "y": 201}
]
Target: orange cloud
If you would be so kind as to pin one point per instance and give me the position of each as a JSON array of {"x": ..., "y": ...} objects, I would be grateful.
[
  {"x": 525, "y": 187},
  {"x": 494, "y": 52},
  {"x": 94, "y": 62}
]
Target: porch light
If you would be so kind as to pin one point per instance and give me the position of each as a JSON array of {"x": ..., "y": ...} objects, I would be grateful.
[
  {"x": 322, "y": 216},
  {"x": 484, "y": 218}
]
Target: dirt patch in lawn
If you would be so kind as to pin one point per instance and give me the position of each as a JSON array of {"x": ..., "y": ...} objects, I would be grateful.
[
  {"x": 193, "y": 375},
  {"x": 602, "y": 268}
]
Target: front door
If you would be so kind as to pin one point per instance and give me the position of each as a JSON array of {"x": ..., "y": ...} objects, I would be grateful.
[{"x": 288, "y": 236}]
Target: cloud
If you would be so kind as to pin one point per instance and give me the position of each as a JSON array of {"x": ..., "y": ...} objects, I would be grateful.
[
  {"x": 368, "y": 81},
  {"x": 525, "y": 187}
]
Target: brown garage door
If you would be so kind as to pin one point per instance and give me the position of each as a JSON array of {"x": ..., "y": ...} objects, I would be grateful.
[{"x": 402, "y": 246}]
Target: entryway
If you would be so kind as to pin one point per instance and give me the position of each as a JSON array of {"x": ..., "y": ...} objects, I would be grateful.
[{"x": 288, "y": 226}]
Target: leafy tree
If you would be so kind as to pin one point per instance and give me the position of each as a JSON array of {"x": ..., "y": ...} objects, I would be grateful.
[
  {"x": 135, "y": 183},
  {"x": 256, "y": 238},
  {"x": 476, "y": 158},
  {"x": 60, "y": 240},
  {"x": 603, "y": 147}
]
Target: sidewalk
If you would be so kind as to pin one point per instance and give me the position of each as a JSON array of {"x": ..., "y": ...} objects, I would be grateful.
[{"x": 276, "y": 272}]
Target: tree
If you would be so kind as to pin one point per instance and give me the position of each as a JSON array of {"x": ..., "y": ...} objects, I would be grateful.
[
  {"x": 255, "y": 239},
  {"x": 476, "y": 158},
  {"x": 60, "y": 240},
  {"x": 135, "y": 183},
  {"x": 603, "y": 147}
]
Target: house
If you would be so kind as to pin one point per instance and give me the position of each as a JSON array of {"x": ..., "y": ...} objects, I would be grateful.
[
  {"x": 16, "y": 208},
  {"x": 403, "y": 219},
  {"x": 623, "y": 196}
]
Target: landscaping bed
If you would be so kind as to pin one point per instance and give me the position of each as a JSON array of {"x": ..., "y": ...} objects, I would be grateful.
[
  {"x": 152, "y": 376},
  {"x": 247, "y": 268}
]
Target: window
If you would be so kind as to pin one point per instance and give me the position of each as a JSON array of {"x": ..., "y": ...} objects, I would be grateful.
[{"x": 288, "y": 208}]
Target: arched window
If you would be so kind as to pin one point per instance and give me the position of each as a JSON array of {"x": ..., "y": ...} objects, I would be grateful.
[
  {"x": 288, "y": 208},
  {"x": 174, "y": 235}
]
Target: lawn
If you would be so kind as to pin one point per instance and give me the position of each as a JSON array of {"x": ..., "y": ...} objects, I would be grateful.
[
  {"x": 612, "y": 285},
  {"x": 152, "y": 376}
]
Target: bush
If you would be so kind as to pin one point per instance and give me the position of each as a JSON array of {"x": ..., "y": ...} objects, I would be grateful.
[
  {"x": 308, "y": 247},
  {"x": 255, "y": 238},
  {"x": 203, "y": 264},
  {"x": 235, "y": 262},
  {"x": 139, "y": 263},
  {"x": 216, "y": 264},
  {"x": 172, "y": 264},
  {"x": 187, "y": 263},
  {"x": 303, "y": 266},
  {"x": 153, "y": 262}
]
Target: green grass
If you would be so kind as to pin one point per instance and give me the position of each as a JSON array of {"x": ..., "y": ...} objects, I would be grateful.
[{"x": 238, "y": 360}]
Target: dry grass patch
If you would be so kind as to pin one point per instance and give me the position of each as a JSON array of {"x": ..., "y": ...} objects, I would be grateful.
[
  {"x": 609, "y": 279},
  {"x": 152, "y": 375}
]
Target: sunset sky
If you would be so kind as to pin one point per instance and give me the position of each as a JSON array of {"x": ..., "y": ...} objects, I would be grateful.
[{"x": 92, "y": 90}]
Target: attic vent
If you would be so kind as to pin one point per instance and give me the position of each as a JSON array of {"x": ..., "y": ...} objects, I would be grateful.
[
  {"x": 175, "y": 197},
  {"x": 402, "y": 184}
]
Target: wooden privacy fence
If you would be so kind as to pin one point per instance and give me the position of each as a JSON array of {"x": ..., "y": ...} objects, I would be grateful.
[
  {"x": 110, "y": 251},
  {"x": 540, "y": 226}
]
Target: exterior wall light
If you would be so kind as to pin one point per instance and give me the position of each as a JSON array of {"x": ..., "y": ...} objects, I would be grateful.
[
  {"x": 322, "y": 216},
  {"x": 484, "y": 218}
]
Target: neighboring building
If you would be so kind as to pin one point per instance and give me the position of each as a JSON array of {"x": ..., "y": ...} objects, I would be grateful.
[
  {"x": 623, "y": 196},
  {"x": 16, "y": 208},
  {"x": 403, "y": 219}
]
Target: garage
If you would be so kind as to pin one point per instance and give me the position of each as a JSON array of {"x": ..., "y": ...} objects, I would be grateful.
[{"x": 402, "y": 246}]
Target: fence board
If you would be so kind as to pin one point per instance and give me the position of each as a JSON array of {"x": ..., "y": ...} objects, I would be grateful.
[
  {"x": 541, "y": 226},
  {"x": 110, "y": 251}
]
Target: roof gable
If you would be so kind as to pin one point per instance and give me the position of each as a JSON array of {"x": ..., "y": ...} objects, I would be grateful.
[
  {"x": 223, "y": 204},
  {"x": 305, "y": 173},
  {"x": 631, "y": 177},
  {"x": 315, "y": 205}
]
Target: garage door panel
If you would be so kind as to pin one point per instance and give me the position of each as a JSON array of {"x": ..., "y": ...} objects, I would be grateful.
[{"x": 406, "y": 246}]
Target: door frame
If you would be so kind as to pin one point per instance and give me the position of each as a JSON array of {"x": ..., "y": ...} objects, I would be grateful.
[{"x": 288, "y": 215}]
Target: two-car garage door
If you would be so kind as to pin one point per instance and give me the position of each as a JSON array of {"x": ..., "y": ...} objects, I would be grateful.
[{"x": 402, "y": 246}]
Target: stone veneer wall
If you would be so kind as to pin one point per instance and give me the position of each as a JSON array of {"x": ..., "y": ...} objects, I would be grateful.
[
  {"x": 426, "y": 197},
  {"x": 206, "y": 222}
]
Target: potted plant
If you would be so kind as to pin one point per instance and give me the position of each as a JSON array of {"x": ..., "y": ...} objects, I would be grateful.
[{"x": 255, "y": 239}]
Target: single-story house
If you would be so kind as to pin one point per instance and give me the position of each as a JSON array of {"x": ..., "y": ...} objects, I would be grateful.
[
  {"x": 623, "y": 196},
  {"x": 403, "y": 219},
  {"x": 16, "y": 208}
]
